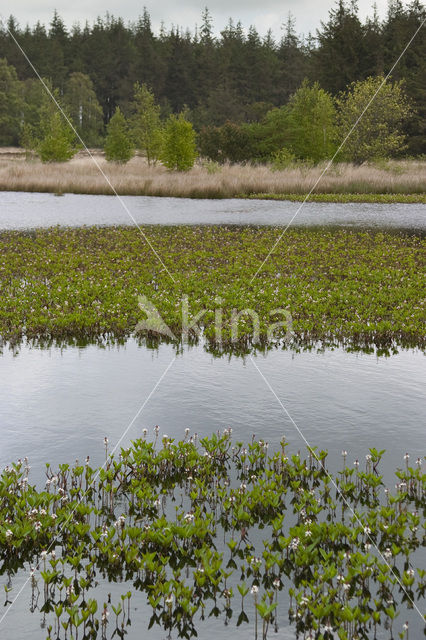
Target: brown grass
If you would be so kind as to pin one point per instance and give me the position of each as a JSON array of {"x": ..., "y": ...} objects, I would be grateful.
[{"x": 205, "y": 180}]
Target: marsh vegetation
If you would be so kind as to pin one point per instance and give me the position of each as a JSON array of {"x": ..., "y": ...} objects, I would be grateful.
[
  {"x": 217, "y": 528},
  {"x": 359, "y": 288},
  {"x": 402, "y": 180}
]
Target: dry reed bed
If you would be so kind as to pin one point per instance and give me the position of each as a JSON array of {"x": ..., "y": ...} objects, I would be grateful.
[{"x": 81, "y": 175}]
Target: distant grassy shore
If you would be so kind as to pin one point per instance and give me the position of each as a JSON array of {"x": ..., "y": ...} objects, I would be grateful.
[{"x": 393, "y": 181}]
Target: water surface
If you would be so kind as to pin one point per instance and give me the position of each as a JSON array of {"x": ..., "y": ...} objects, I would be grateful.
[
  {"x": 19, "y": 210},
  {"x": 58, "y": 405}
]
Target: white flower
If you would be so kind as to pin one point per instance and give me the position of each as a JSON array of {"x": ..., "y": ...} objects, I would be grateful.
[
  {"x": 387, "y": 553},
  {"x": 169, "y": 600},
  {"x": 254, "y": 590},
  {"x": 294, "y": 543},
  {"x": 276, "y": 583},
  {"x": 189, "y": 517},
  {"x": 9, "y": 534},
  {"x": 407, "y": 456}
]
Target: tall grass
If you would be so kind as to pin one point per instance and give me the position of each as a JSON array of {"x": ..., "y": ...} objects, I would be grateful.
[{"x": 81, "y": 175}]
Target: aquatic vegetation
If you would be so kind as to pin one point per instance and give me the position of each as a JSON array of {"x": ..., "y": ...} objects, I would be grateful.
[
  {"x": 383, "y": 198},
  {"x": 358, "y": 288},
  {"x": 209, "y": 527}
]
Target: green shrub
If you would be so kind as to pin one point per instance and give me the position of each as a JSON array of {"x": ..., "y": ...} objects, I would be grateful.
[
  {"x": 118, "y": 145},
  {"x": 282, "y": 159},
  {"x": 179, "y": 150},
  {"x": 58, "y": 144}
]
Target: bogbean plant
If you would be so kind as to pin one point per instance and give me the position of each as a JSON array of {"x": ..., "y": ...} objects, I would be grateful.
[
  {"x": 204, "y": 527},
  {"x": 356, "y": 287}
]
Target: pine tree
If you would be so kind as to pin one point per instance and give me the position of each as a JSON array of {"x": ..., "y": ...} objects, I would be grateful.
[
  {"x": 58, "y": 52},
  {"x": 11, "y": 104},
  {"x": 294, "y": 62},
  {"x": 338, "y": 60}
]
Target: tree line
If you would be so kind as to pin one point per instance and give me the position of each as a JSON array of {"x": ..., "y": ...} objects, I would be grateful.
[{"x": 231, "y": 87}]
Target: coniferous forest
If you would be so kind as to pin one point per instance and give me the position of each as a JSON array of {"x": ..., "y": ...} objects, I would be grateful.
[{"x": 235, "y": 79}]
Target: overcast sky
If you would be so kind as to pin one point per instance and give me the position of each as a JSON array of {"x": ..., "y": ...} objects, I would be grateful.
[{"x": 187, "y": 13}]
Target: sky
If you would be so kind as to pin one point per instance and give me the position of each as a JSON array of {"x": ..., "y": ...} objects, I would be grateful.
[{"x": 187, "y": 13}]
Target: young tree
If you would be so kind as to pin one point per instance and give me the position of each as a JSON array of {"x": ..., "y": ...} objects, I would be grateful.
[
  {"x": 118, "y": 145},
  {"x": 179, "y": 151},
  {"x": 11, "y": 104},
  {"x": 146, "y": 129},
  {"x": 52, "y": 138},
  {"x": 311, "y": 123},
  {"x": 84, "y": 108},
  {"x": 58, "y": 142},
  {"x": 378, "y": 133}
]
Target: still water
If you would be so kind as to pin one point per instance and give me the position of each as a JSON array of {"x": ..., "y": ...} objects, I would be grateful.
[
  {"x": 58, "y": 405},
  {"x": 27, "y": 210}
]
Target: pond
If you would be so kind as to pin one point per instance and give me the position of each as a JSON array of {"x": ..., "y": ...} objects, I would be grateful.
[
  {"x": 58, "y": 404},
  {"x": 27, "y": 210}
]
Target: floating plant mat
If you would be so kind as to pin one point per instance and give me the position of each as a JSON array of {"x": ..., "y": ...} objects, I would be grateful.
[
  {"x": 352, "y": 287},
  {"x": 218, "y": 528}
]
